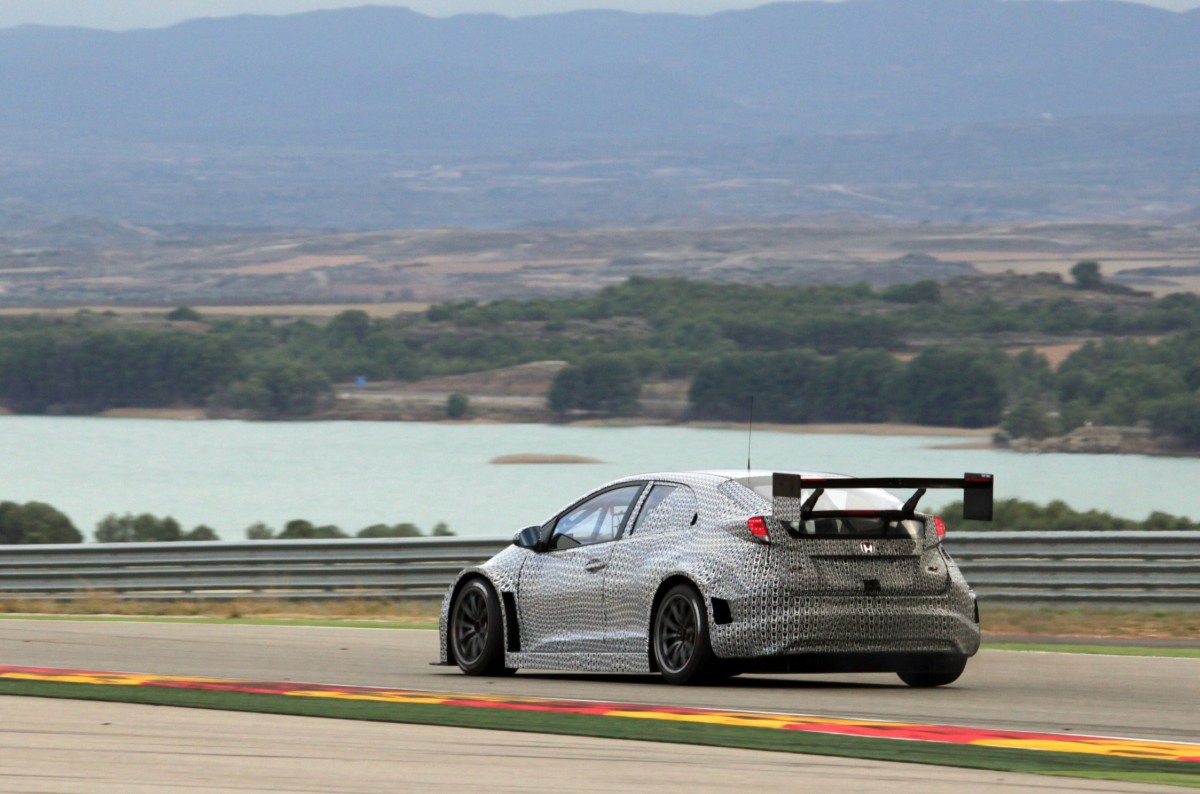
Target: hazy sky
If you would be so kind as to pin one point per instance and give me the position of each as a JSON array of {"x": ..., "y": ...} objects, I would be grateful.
[{"x": 124, "y": 14}]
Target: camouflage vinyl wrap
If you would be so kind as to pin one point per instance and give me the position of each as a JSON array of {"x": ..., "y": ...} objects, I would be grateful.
[{"x": 592, "y": 607}]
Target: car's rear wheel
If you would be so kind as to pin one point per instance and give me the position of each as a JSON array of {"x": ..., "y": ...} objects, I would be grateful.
[
  {"x": 934, "y": 671},
  {"x": 477, "y": 630},
  {"x": 682, "y": 649}
]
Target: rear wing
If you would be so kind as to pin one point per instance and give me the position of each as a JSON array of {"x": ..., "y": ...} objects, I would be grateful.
[{"x": 976, "y": 488}]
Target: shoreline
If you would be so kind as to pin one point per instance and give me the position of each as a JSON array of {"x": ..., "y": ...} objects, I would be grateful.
[
  {"x": 817, "y": 428},
  {"x": 1128, "y": 441}
]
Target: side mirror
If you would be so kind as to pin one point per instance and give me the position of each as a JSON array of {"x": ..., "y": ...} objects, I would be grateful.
[{"x": 529, "y": 538}]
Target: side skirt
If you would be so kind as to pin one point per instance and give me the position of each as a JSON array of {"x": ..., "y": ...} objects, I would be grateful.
[{"x": 591, "y": 662}]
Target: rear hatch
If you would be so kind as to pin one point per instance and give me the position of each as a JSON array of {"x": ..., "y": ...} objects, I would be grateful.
[{"x": 854, "y": 553}]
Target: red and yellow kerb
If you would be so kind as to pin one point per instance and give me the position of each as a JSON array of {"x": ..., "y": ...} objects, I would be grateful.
[{"x": 950, "y": 734}]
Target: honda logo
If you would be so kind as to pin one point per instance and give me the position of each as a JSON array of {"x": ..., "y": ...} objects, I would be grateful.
[{"x": 867, "y": 546}]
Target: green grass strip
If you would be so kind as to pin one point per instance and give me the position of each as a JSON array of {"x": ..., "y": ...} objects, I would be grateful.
[
  {"x": 976, "y": 757},
  {"x": 337, "y": 624},
  {"x": 1152, "y": 778},
  {"x": 1109, "y": 650}
]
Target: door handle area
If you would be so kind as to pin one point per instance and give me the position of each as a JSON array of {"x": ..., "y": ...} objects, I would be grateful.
[{"x": 593, "y": 566}]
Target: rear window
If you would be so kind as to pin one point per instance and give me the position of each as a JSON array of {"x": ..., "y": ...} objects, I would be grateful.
[
  {"x": 832, "y": 499},
  {"x": 759, "y": 485}
]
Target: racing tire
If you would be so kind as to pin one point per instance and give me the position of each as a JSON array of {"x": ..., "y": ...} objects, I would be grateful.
[
  {"x": 680, "y": 639},
  {"x": 935, "y": 671},
  {"x": 476, "y": 633}
]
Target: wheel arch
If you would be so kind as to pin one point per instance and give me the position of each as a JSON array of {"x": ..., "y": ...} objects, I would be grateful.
[
  {"x": 664, "y": 586},
  {"x": 462, "y": 582}
]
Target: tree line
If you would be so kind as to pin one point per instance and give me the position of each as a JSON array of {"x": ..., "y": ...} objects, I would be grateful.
[
  {"x": 940, "y": 386},
  {"x": 806, "y": 353},
  {"x": 1116, "y": 382},
  {"x": 38, "y": 522},
  {"x": 1011, "y": 515}
]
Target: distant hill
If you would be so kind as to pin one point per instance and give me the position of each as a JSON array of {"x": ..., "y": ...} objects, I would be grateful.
[
  {"x": 917, "y": 110},
  {"x": 376, "y": 75}
]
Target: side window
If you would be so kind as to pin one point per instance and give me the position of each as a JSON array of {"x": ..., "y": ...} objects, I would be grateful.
[
  {"x": 597, "y": 520},
  {"x": 666, "y": 507}
]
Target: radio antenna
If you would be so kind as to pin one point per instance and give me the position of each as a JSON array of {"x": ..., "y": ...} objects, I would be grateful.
[{"x": 749, "y": 433}]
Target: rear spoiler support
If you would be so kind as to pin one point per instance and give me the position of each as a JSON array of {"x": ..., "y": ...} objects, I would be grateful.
[{"x": 976, "y": 488}]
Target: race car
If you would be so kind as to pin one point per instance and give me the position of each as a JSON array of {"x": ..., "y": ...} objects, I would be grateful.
[{"x": 708, "y": 574}]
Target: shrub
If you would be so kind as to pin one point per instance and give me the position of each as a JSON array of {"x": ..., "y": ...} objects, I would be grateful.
[
  {"x": 606, "y": 384},
  {"x": 201, "y": 532},
  {"x": 259, "y": 531},
  {"x": 918, "y": 292},
  {"x": 183, "y": 313},
  {"x": 1028, "y": 419},
  {"x": 299, "y": 529},
  {"x": 144, "y": 528},
  {"x": 35, "y": 522},
  {"x": 952, "y": 388},
  {"x": 1087, "y": 274},
  {"x": 403, "y": 530},
  {"x": 457, "y": 405}
]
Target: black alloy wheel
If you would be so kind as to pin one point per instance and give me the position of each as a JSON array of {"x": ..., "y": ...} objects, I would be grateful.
[
  {"x": 477, "y": 630},
  {"x": 680, "y": 638}
]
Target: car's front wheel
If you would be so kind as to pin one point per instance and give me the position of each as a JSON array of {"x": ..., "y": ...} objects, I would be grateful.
[
  {"x": 682, "y": 649},
  {"x": 934, "y": 671},
  {"x": 477, "y": 630}
]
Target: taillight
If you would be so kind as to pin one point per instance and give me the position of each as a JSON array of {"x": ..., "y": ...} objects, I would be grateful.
[
  {"x": 940, "y": 526},
  {"x": 758, "y": 528}
]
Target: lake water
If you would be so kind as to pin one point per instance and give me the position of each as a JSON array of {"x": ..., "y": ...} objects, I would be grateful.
[{"x": 230, "y": 474}]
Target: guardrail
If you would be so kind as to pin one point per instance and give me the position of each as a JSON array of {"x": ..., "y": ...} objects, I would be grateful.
[
  {"x": 1128, "y": 568},
  {"x": 1120, "y": 568},
  {"x": 284, "y": 569}
]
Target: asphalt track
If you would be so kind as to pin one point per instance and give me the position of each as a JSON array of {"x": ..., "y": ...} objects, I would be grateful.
[
  {"x": 70, "y": 747},
  {"x": 1139, "y": 697}
]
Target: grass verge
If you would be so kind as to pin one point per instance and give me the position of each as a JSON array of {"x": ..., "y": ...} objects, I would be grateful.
[
  {"x": 336, "y": 612},
  {"x": 1109, "y": 650},
  {"x": 337, "y": 624},
  {"x": 1083, "y": 622},
  {"x": 977, "y": 757}
]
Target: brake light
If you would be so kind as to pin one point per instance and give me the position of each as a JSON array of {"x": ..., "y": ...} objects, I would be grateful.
[
  {"x": 940, "y": 526},
  {"x": 758, "y": 528}
]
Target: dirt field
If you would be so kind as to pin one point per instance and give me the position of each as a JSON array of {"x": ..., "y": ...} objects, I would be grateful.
[
  {"x": 416, "y": 266},
  {"x": 155, "y": 413},
  {"x": 297, "y": 264},
  {"x": 384, "y": 309},
  {"x": 526, "y": 458},
  {"x": 1112, "y": 263}
]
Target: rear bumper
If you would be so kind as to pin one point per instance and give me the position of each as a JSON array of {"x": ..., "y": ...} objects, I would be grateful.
[
  {"x": 784, "y": 627},
  {"x": 845, "y": 662}
]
